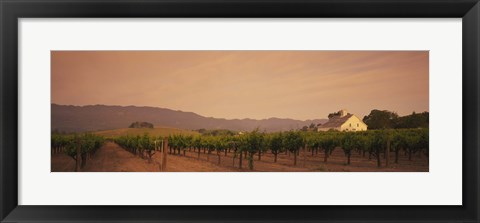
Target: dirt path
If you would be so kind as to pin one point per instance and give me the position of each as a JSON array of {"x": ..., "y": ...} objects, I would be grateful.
[
  {"x": 113, "y": 158},
  {"x": 62, "y": 163}
]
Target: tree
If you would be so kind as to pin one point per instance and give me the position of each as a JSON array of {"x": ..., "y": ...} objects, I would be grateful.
[
  {"x": 313, "y": 142},
  {"x": 293, "y": 142},
  {"x": 141, "y": 125},
  {"x": 197, "y": 144},
  {"x": 79, "y": 147},
  {"x": 398, "y": 142},
  {"x": 71, "y": 147},
  {"x": 415, "y": 120},
  {"x": 253, "y": 143},
  {"x": 233, "y": 143},
  {"x": 220, "y": 144},
  {"x": 238, "y": 144},
  {"x": 380, "y": 119},
  {"x": 331, "y": 115},
  {"x": 276, "y": 144},
  {"x": 209, "y": 144},
  {"x": 365, "y": 142},
  {"x": 349, "y": 142},
  {"x": 187, "y": 143},
  {"x": 378, "y": 144},
  {"x": 328, "y": 143},
  {"x": 424, "y": 141},
  {"x": 148, "y": 146},
  {"x": 59, "y": 142},
  {"x": 263, "y": 147},
  {"x": 417, "y": 141}
]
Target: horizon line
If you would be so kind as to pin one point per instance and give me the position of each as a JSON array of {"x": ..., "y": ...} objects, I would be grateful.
[{"x": 146, "y": 106}]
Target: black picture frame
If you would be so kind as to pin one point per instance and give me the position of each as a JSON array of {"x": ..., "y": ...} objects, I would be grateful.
[{"x": 12, "y": 10}]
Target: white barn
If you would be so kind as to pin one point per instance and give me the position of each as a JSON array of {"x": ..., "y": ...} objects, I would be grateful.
[{"x": 344, "y": 122}]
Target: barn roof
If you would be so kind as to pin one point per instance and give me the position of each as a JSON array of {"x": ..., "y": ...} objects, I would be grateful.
[{"x": 336, "y": 121}]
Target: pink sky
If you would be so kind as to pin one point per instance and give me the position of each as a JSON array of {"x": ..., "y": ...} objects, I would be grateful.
[{"x": 245, "y": 84}]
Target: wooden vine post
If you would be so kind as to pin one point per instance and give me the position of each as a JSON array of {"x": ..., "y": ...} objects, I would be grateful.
[
  {"x": 159, "y": 148},
  {"x": 164, "y": 154}
]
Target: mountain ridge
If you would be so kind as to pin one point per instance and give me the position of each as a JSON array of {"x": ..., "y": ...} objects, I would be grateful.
[{"x": 74, "y": 118}]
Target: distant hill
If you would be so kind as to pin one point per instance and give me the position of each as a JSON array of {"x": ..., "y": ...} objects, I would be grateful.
[{"x": 69, "y": 118}]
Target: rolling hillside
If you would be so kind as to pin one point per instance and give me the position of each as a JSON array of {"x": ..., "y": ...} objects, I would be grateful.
[{"x": 70, "y": 118}]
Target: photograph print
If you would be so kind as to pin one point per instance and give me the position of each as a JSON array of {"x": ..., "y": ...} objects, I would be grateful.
[{"x": 240, "y": 111}]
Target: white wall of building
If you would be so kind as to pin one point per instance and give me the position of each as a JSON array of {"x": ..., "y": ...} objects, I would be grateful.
[{"x": 353, "y": 124}]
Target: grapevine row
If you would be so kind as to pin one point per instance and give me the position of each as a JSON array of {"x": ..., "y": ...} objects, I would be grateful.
[
  {"x": 375, "y": 143},
  {"x": 79, "y": 147}
]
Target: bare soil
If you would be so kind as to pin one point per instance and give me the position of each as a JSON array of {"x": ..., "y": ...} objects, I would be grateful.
[{"x": 113, "y": 158}]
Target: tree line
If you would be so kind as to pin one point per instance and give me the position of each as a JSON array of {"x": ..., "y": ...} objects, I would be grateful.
[{"x": 383, "y": 119}]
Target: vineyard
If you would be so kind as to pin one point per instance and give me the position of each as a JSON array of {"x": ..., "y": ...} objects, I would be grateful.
[
  {"x": 244, "y": 151},
  {"x": 79, "y": 147}
]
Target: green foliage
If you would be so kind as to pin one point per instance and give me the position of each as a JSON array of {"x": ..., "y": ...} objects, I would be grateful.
[
  {"x": 179, "y": 142},
  {"x": 349, "y": 142},
  {"x": 88, "y": 143},
  {"x": 415, "y": 120},
  {"x": 220, "y": 143},
  {"x": 141, "y": 125},
  {"x": 388, "y": 120},
  {"x": 293, "y": 141},
  {"x": 329, "y": 141},
  {"x": 275, "y": 143},
  {"x": 59, "y": 141},
  {"x": 251, "y": 143},
  {"x": 374, "y": 142},
  {"x": 331, "y": 115},
  {"x": 380, "y": 119},
  {"x": 217, "y": 132}
]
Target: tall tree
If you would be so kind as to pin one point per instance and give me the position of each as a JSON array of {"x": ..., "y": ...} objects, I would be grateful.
[
  {"x": 378, "y": 119},
  {"x": 415, "y": 120}
]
